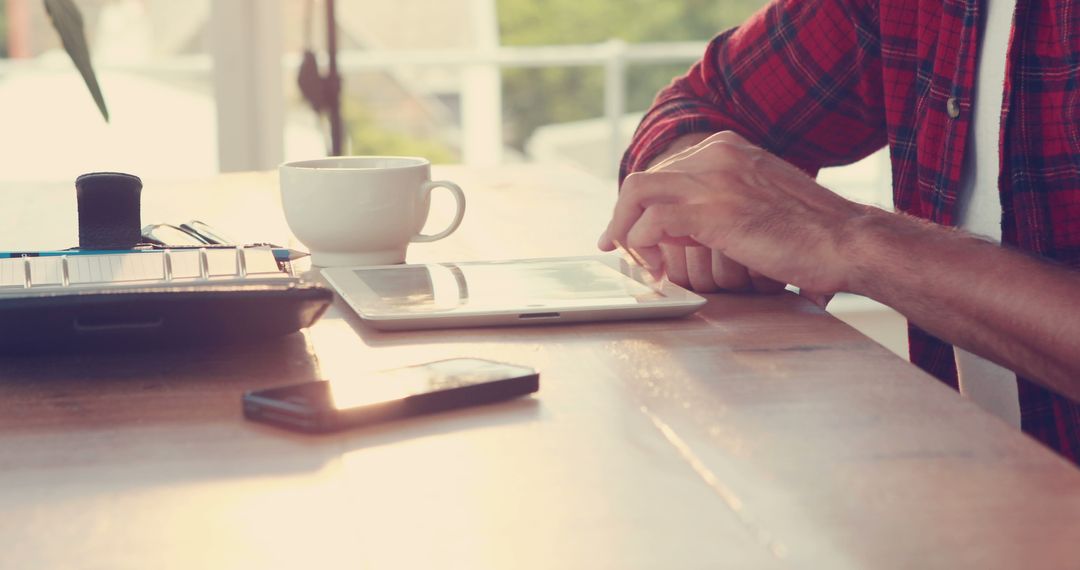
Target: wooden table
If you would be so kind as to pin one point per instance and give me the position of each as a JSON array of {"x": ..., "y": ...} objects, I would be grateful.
[{"x": 758, "y": 433}]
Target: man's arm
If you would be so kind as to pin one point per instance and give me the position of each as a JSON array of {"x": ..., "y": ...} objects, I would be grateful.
[
  {"x": 766, "y": 80},
  {"x": 1016, "y": 310},
  {"x": 727, "y": 194},
  {"x": 700, "y": 268},
  {"x": 800, "y": 78}
]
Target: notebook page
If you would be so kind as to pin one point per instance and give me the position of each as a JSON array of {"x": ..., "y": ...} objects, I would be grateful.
[
  {"x": 137, "y": 268},
  {"x": 115, "y": 268},
  {"x": 185, "y": 264},
  {"x": 12, "y": 273},
  {"x": 222, "y": 263},
  {"x": 260, "y": 260},
  {"x": 45, "y": 271}
]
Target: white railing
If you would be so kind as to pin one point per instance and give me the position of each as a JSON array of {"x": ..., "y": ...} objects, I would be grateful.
[
  {"x": 481, "y": 134},
  {"x": 613, "y": 57},
  {"x": 868, "y": 181}
]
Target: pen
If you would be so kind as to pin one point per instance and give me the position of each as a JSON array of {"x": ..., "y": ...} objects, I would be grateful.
[
  {"x": 200, "y": 234},
  {"x": 280, "y": 253}
]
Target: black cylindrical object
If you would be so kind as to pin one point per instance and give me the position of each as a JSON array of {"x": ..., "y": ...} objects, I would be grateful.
[{"x": 109, "y": 205}]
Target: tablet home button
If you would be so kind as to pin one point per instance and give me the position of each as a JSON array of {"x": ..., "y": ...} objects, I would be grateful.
[{"x": 534, "y": 316}]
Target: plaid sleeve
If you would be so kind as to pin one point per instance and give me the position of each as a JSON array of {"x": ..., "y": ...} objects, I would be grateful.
[{"x": 801, "y": 78}]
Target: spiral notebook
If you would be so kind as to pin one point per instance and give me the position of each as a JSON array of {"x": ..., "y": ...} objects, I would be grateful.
[
  {"x": 56, "y": 300},
  {"x": 79, "y": 270}
]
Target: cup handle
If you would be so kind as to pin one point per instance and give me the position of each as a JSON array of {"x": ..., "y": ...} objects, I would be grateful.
[{"x": 459, "y": 197}]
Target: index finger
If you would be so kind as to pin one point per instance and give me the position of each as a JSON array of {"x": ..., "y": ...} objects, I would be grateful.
[{"x": 639, "y": 191}]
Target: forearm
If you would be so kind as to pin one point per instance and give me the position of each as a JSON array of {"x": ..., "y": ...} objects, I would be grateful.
[
  {"x": 1018, "y": 311},
  {"x": 766, "y": 215},
  {"x": 768, "y": 89}
]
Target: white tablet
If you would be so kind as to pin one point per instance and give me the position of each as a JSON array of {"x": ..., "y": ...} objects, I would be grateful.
[{"x": 517, "y": 292}]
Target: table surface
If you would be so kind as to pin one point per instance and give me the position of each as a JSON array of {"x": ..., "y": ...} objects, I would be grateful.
[{"x": 758, "y": 433}]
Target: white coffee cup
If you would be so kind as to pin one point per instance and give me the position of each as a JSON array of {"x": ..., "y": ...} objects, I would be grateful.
[{"x": 362, "y": 210}]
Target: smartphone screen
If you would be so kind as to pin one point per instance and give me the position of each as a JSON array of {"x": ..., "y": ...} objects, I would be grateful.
[
  {"x": 390, "y": 394},
  {"x": 402, "y": 382}
]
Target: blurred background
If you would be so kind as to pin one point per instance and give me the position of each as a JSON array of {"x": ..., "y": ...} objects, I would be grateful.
[
  {"x": 205, "y": 86},
  {"x": 202, "y": 86}
]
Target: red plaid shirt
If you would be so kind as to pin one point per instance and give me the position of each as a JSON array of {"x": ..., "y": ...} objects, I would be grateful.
[{"x": 827, "y": 82}]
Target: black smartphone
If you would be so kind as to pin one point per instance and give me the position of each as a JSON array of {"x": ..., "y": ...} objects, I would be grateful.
[{"x": 391, "y": 394}]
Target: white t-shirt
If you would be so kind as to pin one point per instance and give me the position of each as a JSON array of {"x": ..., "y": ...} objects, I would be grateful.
[{"x": 990, "y": 386}]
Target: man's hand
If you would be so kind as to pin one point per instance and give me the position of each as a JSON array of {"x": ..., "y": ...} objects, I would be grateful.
[
  {"x": 767, "y": 215},
  {"x": 708, "y": 271},
  {"x": 700, "y": 268},
  {"x": 761, "y": 217}
]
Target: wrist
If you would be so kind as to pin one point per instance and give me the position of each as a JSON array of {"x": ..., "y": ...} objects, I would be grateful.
[
  {"x": 676, "y": 146},
  {"x": 870, "y": 244}
]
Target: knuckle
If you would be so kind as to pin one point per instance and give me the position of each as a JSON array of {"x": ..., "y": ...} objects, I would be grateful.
[
  {"x": 635, "y": 185},
  {"x": 629, "y": 183}
]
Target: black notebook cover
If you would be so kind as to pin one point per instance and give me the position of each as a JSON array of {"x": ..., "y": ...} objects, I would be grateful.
[{"x": 118, "y": 318}]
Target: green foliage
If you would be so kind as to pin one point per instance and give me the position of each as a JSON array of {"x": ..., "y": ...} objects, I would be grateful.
[
  {"x": 527, "y": 22},
  {"x": 368, "y": 137},
  {"x": 3, "y": 30},
  {"x": 534, "y": 97}
]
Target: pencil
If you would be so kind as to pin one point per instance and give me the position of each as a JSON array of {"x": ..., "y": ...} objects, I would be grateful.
[
  {"x": 280, "y": 253},
  {"x": 655, "y": 283}
]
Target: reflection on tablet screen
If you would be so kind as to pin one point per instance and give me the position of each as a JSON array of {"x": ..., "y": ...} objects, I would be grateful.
[{"x": 446, "y": 286}]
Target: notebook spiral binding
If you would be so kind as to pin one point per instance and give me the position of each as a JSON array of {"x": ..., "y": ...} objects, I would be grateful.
[{"x": 242, "y": 265}]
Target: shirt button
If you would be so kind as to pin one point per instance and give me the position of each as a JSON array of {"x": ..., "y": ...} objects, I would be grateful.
[{"x": 952, "y": 107}]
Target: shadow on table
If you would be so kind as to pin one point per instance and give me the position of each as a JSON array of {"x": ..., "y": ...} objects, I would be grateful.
[
  {"x": 181, "y": 384},
  {"x": 514, "y": 411},
  {"x": 174, "y": 415}
]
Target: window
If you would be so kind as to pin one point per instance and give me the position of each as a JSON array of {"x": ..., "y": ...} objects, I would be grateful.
[
  {"x": 487, "y": 81},
  {"x": 151, "y": 59},
  {"x": 206, "y": 85}
]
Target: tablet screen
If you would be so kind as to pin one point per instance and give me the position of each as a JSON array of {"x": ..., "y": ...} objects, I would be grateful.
[{"x": 445, "y": 286}]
